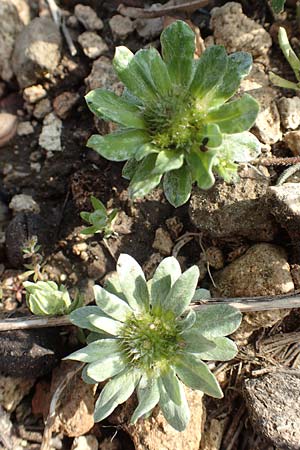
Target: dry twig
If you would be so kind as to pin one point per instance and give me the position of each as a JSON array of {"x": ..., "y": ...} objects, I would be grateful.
[{"x": 137, "y": 13}]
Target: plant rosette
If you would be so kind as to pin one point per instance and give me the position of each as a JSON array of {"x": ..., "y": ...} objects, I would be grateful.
[
  {"x": 175, "y": 122},
  {"x": 145, "y": 336},
  {"x": 101, "y": 220},
  {"x": 45, "y": 298}
]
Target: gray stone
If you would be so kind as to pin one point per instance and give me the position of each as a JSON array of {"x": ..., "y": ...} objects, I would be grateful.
[
  {"x": 103, "y": 76},
  {"x": 273, "y": 402},
  {"x": 25, "y": 128},
  {"x": 121, "y": 27},
  {"x": 231, "y": 210},
  {"x": 149, "y": 28},
  {"x": 289, "y": 109},
  {"x": 11, "y": 25},
  {"x": 233, "y": 29},
  {"x": 23, "y": 202},
  {"x": 42, "y": 108},
  {"x": 37, "y": 51},
  {"x": 88, "y": 17},
  {"x": 92, "y": 44},
  {"x": 50, "y": 137}
]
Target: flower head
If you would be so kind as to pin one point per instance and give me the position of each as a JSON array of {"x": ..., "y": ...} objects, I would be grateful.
[
  {"x": 175, "y": 121},
  {"x": 145, "y": 336}
]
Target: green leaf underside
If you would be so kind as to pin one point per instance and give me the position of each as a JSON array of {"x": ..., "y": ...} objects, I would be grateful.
[
  {"x": 93, "y": 336},
  {"x": 178, "y": 185},
  {"x": 80, "y": 317},
  {"x": 224, "y": 350},
  {"x": 188, "y": 320},
  {"x": 201, "y": 164},
  {"x": 241, "y": 147},
  {"x": 195, "y": 374},
  {"x": 236, "y": 116},
  {"x": 148, "y": 398},
  {"x": 131, "y": 71},
  {"x": 107, "y": 367},
  {"x": 217, "y": 320},
  {"x": 195, "y": 342},
  {"x": 112, "y": 285},
  {"x": 201, "y": 294},
  {"x": 111, "y": 305},
  {"x": 168, "y": 160},
  {"x": 120, "y": 145},
  {"x": 96, "y": 351},
  {"x": 178, "y": 416},
  {"x": 167, "y": 272},
  {"x": 86, "y": 378},
  {"x": 133, "y": 283},
  {"x": 107, "y": 105},
  {"x": 181, "y": 292},
  {"x": 115, "y": 392},
  {"x": 178, "y": 47},
  {"x": 143, "y": 180},
  {"x": 239, "y": 66},
  {"x": 210, "y": 69},
  {"x": 172, "y": 386}
]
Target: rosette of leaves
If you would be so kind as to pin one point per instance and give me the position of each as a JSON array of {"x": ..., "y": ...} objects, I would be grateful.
[
  {"x": 176, "y": 124},
  {"x": 145, "y": 336},
  {"x": 100, "y": 219},
  {"x": 46, "y": 298}
]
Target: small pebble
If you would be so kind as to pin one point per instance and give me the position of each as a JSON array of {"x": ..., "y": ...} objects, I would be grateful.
[
  {"x": 8, "y": 127},
  {"x": 34, "y": 93},
  {"x": 92, "y": 44},
  {"x": 88, "y": 17},
  {"x": 25, "y": 128}
]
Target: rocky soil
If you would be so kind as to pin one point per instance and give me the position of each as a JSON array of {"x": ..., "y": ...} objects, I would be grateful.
[{"x": 243, "y": 237}]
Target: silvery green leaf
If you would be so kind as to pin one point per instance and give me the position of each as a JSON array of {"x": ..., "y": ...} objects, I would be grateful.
[
  {"x": 181, "y": 292},
  {"x": 132, "y": 73},
  {"x": 155, "y": 68},
  {"x": 178, "y": 185},
  {"x": 201, "y": 294},
  {"x": 178, "y": 47},
  {"x": 85, "y": 216},
  {"x": 217, "y": 320},
  {"x": 195, "y": 342},
  {"x": 168, "y": 160},
  {"x": 111, "y": 305},
  {"x": 107, "y": 367},
  {"x": 201, "y": 164},
  {"x": 46, "y": 298},
  {"x": 133, "y": 283},
  {"x": 239, "y": 66},
  {"x": 178, "y": 416},
  {"x": 148, "y": 396},
  {"x": 130, "y": 168},
  {"x": 112, "y": 284},
  {"x": 80, "y": 317},
  {"x": 98, "y": 205},
  {"x": 241, "y": 147},
  {"x": 210, "y": 69},
  {"x": 188, "y": 320},
  {"x": 145, "y": 150},
  {"x": 143, "y": 180},
  {"x": 115, "y": 392},
  {"x": 93, "y": 336},
  {"x": 195, "y": 374},
  {"x": 105, "y": 324},
  {"x": 118, "y": 146},
  {"x": 86, "y": 378},
  {"x": 235, "y": 116},
  {"x": 167, "y": 272},
  {"x": 212, "y": 134},
  {"x": 96, "y": 351},
  {"x": 224, "y": 351},
  {"x": 172, "y": 386},
  {"x": 107, "y": 105}
]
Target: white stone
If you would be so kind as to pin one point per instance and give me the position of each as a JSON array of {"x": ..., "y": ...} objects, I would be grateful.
[
  {"x": 25, "y": 128},
  {"x": 88, "y": 442},
  {"x": 289, "y": 109},
  {"x": 33, "y": 94},
  {"x": 92, "y": 44},
  {"x": 50, "y": 137},
  {"x": 121, "y": 26},
  {"x": 23, "y": 202},
  {"x": 87, "y": 16}
]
